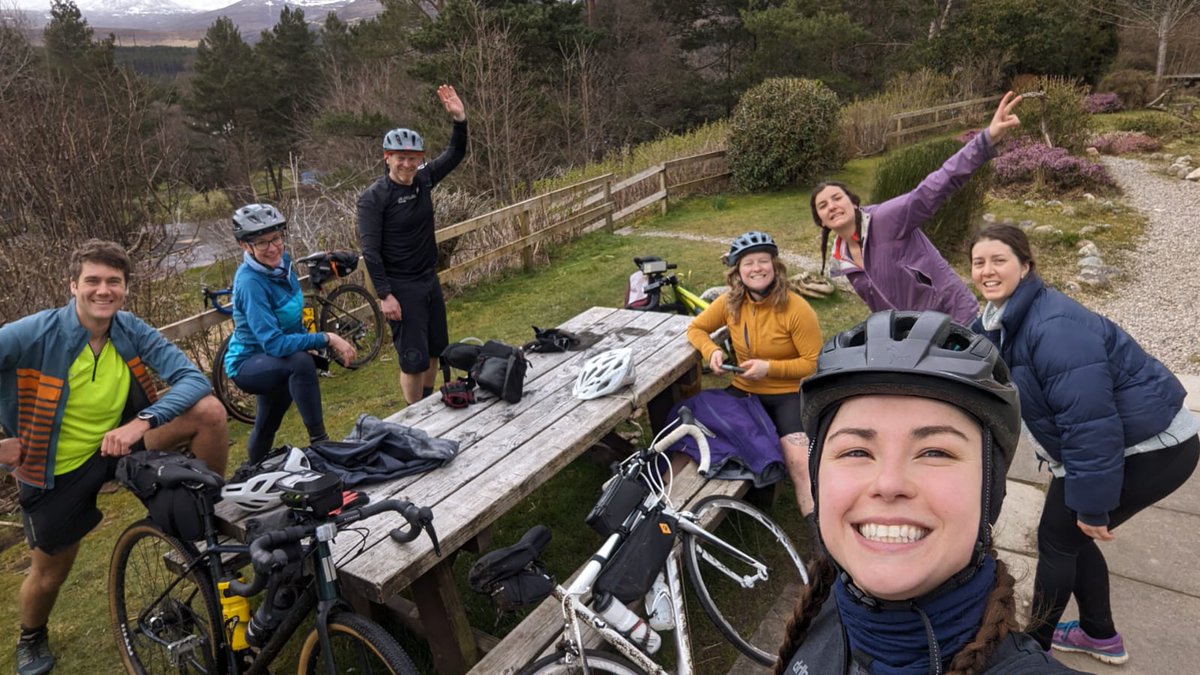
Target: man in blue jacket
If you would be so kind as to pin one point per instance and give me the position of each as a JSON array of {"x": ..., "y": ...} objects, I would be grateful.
[{"x": 75, "y": 396}]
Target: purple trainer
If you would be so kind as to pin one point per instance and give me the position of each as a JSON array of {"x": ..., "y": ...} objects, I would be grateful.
[{"x": 1069, "y": 637}]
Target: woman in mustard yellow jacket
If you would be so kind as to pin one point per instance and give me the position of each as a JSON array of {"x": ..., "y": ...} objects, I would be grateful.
[{"x": 776, "y": 339}]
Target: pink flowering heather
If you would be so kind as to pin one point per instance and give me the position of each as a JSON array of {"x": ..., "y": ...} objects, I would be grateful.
[
  {"x": 1123, "y": 142},
  {"x": 1054, "y": 167},
  {"x": 1102, "y": 103}
]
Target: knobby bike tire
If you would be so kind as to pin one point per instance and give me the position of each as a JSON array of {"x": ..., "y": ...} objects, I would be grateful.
[
  {"x": 597, "y": 662},
  {"x": 343, "y": 313},
  {"x": 240, "y": 405},
  {"x": 738, "y": 612},
  {"x": 359, "y": 646},
  {"x": 152, "y": 604}
]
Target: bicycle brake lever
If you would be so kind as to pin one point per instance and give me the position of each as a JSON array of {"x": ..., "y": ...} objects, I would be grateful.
[
  {"x": 703, "y": 429},
  {"x": 426, "y": 521}
]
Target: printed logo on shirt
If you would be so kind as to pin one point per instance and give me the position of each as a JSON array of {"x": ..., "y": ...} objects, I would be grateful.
[{"x": 407, "y": 198}]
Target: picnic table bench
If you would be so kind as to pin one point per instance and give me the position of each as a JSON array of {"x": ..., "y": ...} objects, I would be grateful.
[{"x": 506, "y": 451}]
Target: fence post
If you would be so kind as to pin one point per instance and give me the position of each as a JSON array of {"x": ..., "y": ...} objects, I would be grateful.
[
  {"x": 608, "y": 215},
  {"x": 662, "y": 187},
  {"x": 522, "y": 232}
]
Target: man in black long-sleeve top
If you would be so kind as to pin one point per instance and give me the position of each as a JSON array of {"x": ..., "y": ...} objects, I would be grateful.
[{"x": 396, "y": 233}]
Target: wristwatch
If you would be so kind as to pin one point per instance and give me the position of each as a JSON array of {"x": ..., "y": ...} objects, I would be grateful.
[{"x": 148, "y": 417}]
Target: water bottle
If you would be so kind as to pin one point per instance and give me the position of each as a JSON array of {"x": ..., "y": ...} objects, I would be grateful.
[
  {"x": 235, "y": 611},
  {"x": 628, "y": 624}
]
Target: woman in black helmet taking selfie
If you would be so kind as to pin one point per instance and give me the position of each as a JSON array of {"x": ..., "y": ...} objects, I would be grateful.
[{"x": 914, "y": 422}]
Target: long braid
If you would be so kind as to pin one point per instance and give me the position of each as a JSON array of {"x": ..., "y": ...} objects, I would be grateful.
[
  {"x": 821, "y": 577},
  {"x": 999, "y": 619}
]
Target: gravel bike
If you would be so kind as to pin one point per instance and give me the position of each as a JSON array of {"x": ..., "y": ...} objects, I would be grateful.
[
  {"x": 348, "y": 310},
  {"x": 738, "y": 570},
  {"x": 177, "y": 607},
  {"x": 645, "y": 289}
]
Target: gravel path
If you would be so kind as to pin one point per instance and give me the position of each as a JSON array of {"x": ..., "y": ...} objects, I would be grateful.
[{"x": 1157, "y": 300}]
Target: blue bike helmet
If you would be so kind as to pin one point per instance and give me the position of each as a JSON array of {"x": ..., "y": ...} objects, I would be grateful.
[
  {"x": 403, "y": 139},
  {"x": 750, "y": 242}
]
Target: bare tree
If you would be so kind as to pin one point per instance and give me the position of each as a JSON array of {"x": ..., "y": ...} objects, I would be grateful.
[{"x": 1160, "y": 17}]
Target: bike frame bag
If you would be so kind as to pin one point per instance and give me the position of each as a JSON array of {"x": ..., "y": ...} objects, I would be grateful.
[{"x": 632, "y": 569}]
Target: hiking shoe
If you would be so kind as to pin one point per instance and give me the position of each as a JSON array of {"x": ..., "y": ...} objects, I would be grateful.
[
  {"x": 34, "y": 657},
  {"x": 1069, "y": 637},
  {"x": 658, "y": 605}
]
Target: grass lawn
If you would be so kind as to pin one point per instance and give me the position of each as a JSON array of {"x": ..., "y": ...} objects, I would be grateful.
[{"x": 588, "y": 272}]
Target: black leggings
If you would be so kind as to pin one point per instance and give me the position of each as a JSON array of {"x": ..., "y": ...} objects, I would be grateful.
[
  {"x": 1070, "y": 562},
  {"x": 277, "y": 382}
]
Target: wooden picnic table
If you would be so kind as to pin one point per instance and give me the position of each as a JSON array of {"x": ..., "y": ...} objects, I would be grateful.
[{"x": 506, "y": 451}]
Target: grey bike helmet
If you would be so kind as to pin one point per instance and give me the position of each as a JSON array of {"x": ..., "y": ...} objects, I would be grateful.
[
  {"x": 259, "y": 492},
  {"x": 921, "y": 354},
  {"x": 605, "y": 373},
  {"x": 403, "y": 139},
  {"x": 255, "y": 219},
  {"x": 750, "y": 242}
]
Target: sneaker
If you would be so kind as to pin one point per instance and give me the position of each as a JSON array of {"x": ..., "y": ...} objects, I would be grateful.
[
  {"x": 1069, "y": 637},
  {"x": 658, "y": 605},
  {"x": 34, "y": 657}
]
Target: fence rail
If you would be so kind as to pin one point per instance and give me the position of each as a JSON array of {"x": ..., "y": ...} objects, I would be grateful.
[
  {"x": 569, "y": 211},
  {"x": 943, "y": 117}
]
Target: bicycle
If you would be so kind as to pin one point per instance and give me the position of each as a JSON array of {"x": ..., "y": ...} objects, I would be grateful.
[
  {"x": 175, "y": 607},
  {"x": 733, "y": 584},
  {"x": 349, "y": 310},
  {"x": 644, "y": 292}
]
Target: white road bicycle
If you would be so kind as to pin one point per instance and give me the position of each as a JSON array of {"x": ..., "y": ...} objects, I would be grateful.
[{"x": 738, "y": 560}]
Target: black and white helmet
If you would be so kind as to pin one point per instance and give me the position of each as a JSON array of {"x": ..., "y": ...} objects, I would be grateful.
[
  {"x": 605, "y": 373},
  {"x": 255, "y": 219},
  {"x": 403, "y": 139},
  {"x": 259, "y": 491},
  {"x": 750, "y": 242}
]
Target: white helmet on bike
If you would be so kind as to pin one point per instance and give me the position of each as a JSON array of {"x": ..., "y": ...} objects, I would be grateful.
[
  {"x": 259, "y": 492},
  {"x": 605, "y": 373}
]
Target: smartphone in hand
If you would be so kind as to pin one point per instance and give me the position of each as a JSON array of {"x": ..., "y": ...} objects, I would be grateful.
[{"x": 729, "y": 368}]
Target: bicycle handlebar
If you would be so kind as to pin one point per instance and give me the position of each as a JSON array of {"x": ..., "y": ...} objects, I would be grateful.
[
  {"x": 687, "y": 427},
  {"x": 267, "y": 554}
]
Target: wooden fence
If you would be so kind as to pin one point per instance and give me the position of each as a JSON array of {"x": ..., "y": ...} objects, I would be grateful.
[
  {"x": 937, "y": 118},
  {"x": 511, "y": 236}
]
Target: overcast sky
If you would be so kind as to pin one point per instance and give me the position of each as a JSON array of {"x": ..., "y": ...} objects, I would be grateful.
[{"x": 45, "y": 4}]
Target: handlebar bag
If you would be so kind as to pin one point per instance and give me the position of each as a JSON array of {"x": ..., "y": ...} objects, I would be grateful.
[
  {"x": 178, "y": 509},
  {"x": 621, "y": 496},
  {"x": 632, "y": 569},
  {"x": 500, "y": 369}
]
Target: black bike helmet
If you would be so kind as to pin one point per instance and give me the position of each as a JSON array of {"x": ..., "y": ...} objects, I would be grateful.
[
  {"x": 255, "y": 219},
  {"x": 403, "y": 139},
  {"x": 750, "y": 242},
  {"x": 921, "y": 354}
]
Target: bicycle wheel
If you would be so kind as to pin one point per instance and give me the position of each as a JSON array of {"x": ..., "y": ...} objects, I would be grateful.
[
  {"x": 736, "y": 609},
  {"x": 597, "y": 662},
  {"x": 241, "y": 406},
  {"x": 163, "y": 620},
  {"x": 358, "y": 646},
  {"x": 353, "y": 313}
]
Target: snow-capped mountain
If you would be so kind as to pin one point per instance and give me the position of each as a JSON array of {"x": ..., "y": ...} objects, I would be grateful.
[{"x": 130, "y": 7}]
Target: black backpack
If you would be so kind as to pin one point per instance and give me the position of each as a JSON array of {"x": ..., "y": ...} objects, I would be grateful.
[
  {"x": 496, "y": 367},
  {"x": 513, "y": 576}
]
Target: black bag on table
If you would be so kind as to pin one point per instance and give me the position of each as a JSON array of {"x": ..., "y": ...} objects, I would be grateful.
[
  {"x": 180, "y": 509},
  {"x": 500, "y": 369},
  {"x": 631, "y": 571},
  {"x": 513, "y": 576}
]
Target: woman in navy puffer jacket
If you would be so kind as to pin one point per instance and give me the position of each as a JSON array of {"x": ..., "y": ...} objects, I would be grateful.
[{"x": 1111, "y": 422}]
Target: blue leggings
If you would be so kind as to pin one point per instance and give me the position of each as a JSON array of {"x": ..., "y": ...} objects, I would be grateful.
[{"x": 277, "y": 382}]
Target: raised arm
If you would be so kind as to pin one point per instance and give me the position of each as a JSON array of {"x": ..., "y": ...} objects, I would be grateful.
[{"x": 443, "y": 164}]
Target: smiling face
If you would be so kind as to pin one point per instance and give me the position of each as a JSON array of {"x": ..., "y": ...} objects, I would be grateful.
[
  {"x": 403, "y": 164},
  {"x": 996, "y": 270},
  {"x": 267, "y": 248},
  {"x": 835, "y": 210},
  {"x": 757, "y": 271},
  {"x": 99, "y": 293},
  {"x": 899, "y": 487}
]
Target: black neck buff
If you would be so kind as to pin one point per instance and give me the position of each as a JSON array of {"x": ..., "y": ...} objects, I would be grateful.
[{"x": 757, "y": 296}]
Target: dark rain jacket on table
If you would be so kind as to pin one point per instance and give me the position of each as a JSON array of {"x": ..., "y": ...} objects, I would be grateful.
[
  {"x": 1088, "y": 390},
  {"x": 902, "y": 269},
  {"x": 377, "y": 451}
]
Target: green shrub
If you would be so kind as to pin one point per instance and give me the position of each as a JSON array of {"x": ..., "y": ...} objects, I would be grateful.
[
  {"x": 1135, "y": 87},
  {"x": 1160, "y": 125},
  {"x": 782, "y": 132},
  {"x": 904, "y": 169},
  {"x": 1062, "y": 108}
]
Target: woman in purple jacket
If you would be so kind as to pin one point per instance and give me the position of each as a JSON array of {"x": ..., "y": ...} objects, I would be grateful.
[{"x": 900, "y": 268}]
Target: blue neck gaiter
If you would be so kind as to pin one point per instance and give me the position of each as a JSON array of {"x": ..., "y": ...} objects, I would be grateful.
[
  {"x": 895, "y": 638},
  {"x": 281, "y": 271}
]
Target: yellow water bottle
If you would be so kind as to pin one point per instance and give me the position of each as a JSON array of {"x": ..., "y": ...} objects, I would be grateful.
[
  {"x": 236, "y": 613},
  {"x": 310, "y": 319}
]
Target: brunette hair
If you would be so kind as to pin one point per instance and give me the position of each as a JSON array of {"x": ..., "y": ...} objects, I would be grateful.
[
  {"x": 776, "y": 299},
  {"x": 108, "y": 253},
  {"x": 812, "y": 205},
  {"x": 1010, "y": 235},
  {"x": 999, "y": 618}
]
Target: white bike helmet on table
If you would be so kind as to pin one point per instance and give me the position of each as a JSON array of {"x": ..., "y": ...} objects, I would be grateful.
[
  {"x": 258, "y": 492},
  {"x": 605, "y": 373}
]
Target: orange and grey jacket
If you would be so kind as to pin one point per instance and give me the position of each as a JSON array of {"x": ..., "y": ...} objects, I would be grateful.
[{"x": 37, "y": 351}]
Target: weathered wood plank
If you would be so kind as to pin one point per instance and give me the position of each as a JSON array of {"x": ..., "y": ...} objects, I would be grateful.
[
  {"x": 703, "y": 156},
  {"x": 947, "y": 106},
  {"x": 499, "y": 215},
  {"x": 701, "y": 181},
  {"x": 640, "y": 204},
  {"x": 637, "y": 178}
]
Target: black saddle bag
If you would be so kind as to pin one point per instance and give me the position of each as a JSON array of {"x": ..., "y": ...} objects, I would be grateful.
[
  {"x": 513, "y": 576},
  {"x": 178, "y": 509},
  {"x": 500, "y": 369}
]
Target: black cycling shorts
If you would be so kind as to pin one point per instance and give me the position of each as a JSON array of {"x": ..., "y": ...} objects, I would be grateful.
[
  {"x": 60, "y": 516},
  {"x": 421, "y": 330},
  {"x": 783, "y": 409}
]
